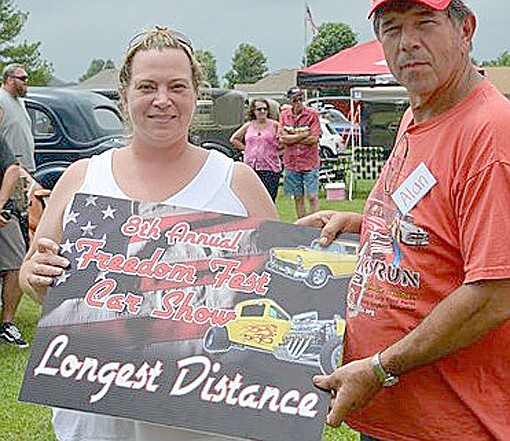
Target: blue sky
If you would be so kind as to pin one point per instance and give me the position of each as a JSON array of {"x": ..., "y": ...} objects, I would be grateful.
[{"x": 73, "y": 32}]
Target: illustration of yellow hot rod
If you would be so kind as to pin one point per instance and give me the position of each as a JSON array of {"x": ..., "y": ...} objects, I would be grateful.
[{"x": 261, "y": 324}]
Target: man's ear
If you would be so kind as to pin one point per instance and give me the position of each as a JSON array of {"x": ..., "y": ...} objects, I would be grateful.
[{"x": 468, "y": 30}]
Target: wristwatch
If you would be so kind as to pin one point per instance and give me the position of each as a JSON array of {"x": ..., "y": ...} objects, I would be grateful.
[{"x": 386, "y": 379}]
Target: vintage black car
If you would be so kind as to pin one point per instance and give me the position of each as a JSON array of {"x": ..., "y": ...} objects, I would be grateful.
[
  {"x": 68, "y": 125},
  {"x": 219, "y": 113}
]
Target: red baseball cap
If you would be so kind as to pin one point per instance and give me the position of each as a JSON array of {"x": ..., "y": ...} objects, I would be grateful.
[{"x": 438, "y": 5}]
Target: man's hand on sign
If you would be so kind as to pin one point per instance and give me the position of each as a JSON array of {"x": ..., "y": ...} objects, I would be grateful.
[
  {"x": 352, "y": 386},
  {"x": 332, "y": 223}
]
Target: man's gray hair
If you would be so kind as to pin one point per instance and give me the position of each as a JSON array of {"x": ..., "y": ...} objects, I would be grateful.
[
  {"x": 10, "y": 69},
  {"x": 458, "y": 11}
]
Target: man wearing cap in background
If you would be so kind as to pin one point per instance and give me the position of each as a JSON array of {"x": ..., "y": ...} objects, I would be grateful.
[
  {"x": 300, "y": 139},
  {"x": 428, "y": 333}
]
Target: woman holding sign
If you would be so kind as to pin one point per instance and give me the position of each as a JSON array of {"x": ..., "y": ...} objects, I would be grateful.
[{"x": 159, "y": 82}]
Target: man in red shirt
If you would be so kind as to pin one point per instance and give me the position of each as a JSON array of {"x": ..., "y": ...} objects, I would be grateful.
[
  {"x": 428, "y": 307},
  {"x": 300, "y": 139}
]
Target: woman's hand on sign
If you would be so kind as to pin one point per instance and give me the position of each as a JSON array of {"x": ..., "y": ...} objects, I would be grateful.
[{"x": 41, "y": 267}]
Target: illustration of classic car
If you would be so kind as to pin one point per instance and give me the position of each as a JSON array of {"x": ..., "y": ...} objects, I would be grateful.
[
  {"x": 261, "y": 324},
  {"x": 315, "y": 264}
]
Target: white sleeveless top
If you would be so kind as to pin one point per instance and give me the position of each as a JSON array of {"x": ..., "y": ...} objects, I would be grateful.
[{"x": 209, "y": 191}]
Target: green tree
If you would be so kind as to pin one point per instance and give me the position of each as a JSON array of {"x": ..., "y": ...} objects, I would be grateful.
[
  {"x": 109, "y": 65},
  {"x": 208, "y": 62},
  {"x": 331, "y": 38},
  {"x": 12, "y": 22},
  {"x": 249, "y": 64},
  {"x": 502, "y": 60},
  {"x": 97, "y": 65}
]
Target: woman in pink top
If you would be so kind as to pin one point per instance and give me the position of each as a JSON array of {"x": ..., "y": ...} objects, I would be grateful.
[{"x": 259, "y": 140}]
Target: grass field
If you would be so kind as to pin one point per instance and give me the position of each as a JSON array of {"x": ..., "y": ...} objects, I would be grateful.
[
  {"x": 287, "y": 210},
  {"x": 21, "y": 421},
  {"x": 27, "y": 422}
]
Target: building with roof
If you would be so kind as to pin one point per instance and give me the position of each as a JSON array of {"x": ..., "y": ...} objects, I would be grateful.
[
  {"x": 272, "y": 86},
  {"x": 275, "y": 85},
  {"x": 500, "y": 77}
]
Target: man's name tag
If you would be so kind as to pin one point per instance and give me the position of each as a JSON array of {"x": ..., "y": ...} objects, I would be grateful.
[{"x": 415, "y": 186}]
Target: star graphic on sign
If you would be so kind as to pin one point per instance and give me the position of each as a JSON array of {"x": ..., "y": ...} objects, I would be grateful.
[
  {"x": 79, "y": 261},
  {"x": 72, "y": 217},
  {"x": 62, "y": 278},
  {"x": 91, "y": 200},
  {"x": 101, "y": 275},
  {"x": 87, "y": 229},
  {"x": 67, "y": 247},
  {"x": 108, "y": 213}
]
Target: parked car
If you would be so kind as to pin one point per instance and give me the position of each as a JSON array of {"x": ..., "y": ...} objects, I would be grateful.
[
  {"x": 315, "y": 264},
  {"x": 68, "y": 125},
  {"x": 341, "y": 124},
  {"x": 330, "y": 142},
  {"x": 219, "y": 113},
  {"x": 263, "y": 325}
]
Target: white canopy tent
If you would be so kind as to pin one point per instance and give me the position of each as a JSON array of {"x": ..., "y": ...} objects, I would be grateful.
[{"x": 384, "y": 94}]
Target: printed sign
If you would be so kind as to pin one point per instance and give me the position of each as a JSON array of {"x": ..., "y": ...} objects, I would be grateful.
[{"x": 197, "y": 320}]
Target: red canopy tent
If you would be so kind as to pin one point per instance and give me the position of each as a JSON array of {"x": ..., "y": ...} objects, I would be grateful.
[{"x": 360, "y": 65}]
